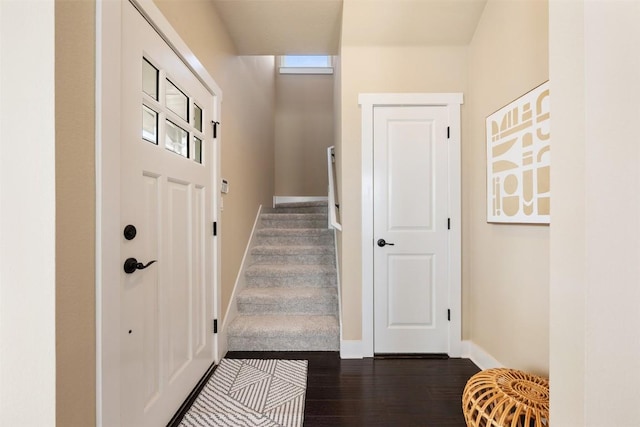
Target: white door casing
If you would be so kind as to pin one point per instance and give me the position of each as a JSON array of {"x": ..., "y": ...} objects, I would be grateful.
[
  {"x": 451, "y": 103},
  {"x": 410, "y": 214},
  {"x": 189, "y": 192}
]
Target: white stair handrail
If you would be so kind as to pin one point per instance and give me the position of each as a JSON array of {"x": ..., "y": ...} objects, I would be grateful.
[{"x": 333, "y": 204}]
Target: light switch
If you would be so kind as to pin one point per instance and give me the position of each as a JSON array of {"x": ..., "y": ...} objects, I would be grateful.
[{"x": 224, "y": 188}]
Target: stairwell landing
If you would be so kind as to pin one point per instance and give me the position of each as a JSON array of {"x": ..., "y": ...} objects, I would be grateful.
[{"x": 290, "y": 302}]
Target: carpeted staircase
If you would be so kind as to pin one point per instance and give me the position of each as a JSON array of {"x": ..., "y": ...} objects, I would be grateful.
[{"x": 290, "y": 302}]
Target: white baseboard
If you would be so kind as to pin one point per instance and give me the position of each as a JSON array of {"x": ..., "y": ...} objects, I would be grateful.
[
  {"x": 298, "y": 199},
  {"x": 351, "y": 349},
  {"x": 479, "y": 356},
  {"x": 240, "y": 284},
  {"x": 223, "y": 345}
]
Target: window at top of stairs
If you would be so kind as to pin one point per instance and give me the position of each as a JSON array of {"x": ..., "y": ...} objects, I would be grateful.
[{"x": 306, "y": 64}]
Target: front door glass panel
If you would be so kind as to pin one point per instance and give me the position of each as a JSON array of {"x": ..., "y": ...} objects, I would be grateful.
[
  {"x": 197, "y": 117},
  {"x": 177, "y": 101},
  {"x": 197, "y": 149},
  {"x": 149, "y": 79},
  {"x": 176, "y": 139},
  {"x": 149, "y": 125}
]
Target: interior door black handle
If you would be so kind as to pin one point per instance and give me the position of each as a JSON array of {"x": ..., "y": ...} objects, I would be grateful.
[
  {"x": 132, "y": 264},
  {"x": 382, "y": 243}
]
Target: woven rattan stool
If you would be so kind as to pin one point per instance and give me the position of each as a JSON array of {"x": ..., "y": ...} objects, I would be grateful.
[{"x": 506, "y": 398}]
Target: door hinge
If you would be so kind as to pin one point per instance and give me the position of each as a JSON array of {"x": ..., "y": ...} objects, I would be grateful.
[
  {"x": 449, "y": 314},
  {"x": 215, "y": 228},
  {"x": 215, "y": 128},
  {"x": 448, "y": 223},
  {"x": 215, "y": 326},
  {"x": 448, "y": 132}
]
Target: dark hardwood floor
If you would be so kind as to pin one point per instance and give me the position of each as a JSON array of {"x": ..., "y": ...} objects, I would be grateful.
[{"x": 379, "y": 392}]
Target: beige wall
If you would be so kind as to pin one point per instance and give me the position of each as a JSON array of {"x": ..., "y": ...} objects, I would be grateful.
[
  {"x": 75, "y": 213},
  {"x": 506, "y": 267},
  {"x": 337, "y": 121},
  {"x": 303, "y": 131},
  {"x": 27, "y": 214},
  {"x": 378, "y": 69},
  {"x": 595, "y": 236},
  {"x": 337, "y": 143},
  {"x": 247, "y": 127},
  {"x": 568, "y": 259}
]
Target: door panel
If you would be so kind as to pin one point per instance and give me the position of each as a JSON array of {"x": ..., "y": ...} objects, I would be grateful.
[
  {"x": 199, "y": 314},
  {"x": 410, "y": 214},
  {"x": 406, "y": 303},
  {"x": 152, "y": 291},
  {"x": 409, "y": 165},
  {"x": 166, "y": 192}
]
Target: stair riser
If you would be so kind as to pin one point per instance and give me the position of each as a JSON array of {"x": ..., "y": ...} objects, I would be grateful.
[
  {"x": 276, "y": 223},
  {"x": 323, "y": 239},
  {"x": 310, "y": 343},
  {"x": 321, "y": 259},
  {"x": 294, "y": 216},
  {"x": 291, "y": 307},
  {"x": 312, "y": 281},
  {"x": 310, "y": 209}
]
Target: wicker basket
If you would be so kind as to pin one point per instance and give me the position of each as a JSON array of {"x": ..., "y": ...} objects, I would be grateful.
[{"x": 506, "y": 398}]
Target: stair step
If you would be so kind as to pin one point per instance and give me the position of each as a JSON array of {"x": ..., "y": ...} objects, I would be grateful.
[
  {"x": 295, "y": 254},
  {"x": 288, "y": 236},
  {"x": 265, "y": 275},
  {"x": 300, "y": 301},
  {"x": 302, "y": 207},
  {"x": 294, "y": 220},
  {"x": 313, "y": 203},
  {"x": 284, "y": 333},
  {"x": 292, "y": 250},
  {"x": 310, "y": 209},
  {"x": 294, "y": 216}
]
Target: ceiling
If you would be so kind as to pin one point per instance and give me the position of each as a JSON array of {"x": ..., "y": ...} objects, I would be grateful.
[{"x": 278, "y": 27}]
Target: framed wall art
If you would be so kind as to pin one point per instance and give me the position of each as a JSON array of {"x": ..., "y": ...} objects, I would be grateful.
[{"x": 519, "y": 160}]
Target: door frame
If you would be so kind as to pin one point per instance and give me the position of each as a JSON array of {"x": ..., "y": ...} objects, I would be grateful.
[
  {"x": 108, "y": 233},
  {"x": 452, "y": 101}
]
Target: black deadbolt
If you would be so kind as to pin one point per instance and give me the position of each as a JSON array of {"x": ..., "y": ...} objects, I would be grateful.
[{"x": 130, "y": 232}]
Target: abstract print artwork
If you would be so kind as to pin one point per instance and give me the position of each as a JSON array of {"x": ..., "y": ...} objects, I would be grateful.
[{"x": 519, "y": 160}]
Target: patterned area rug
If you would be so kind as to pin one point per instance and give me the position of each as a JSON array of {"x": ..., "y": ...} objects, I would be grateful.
[{"x": 251, "y": 392}]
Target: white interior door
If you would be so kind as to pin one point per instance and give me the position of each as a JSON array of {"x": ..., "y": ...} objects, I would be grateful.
[
  {"x": 411, "y": 190},
  {"x": 167, "y": 169}
]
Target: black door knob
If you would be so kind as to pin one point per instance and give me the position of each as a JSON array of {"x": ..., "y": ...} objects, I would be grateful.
[
  {"x": 132, "y": 264},
  {"x": 382, "y": 243}
]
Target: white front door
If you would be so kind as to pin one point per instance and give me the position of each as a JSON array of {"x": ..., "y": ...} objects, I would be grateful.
[
  {"x": 167, "y": 168},
  {"x": 411, "y": 242}
]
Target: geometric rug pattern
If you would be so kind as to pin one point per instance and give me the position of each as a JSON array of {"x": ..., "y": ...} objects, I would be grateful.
[{"x": 251, "y": 392}]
